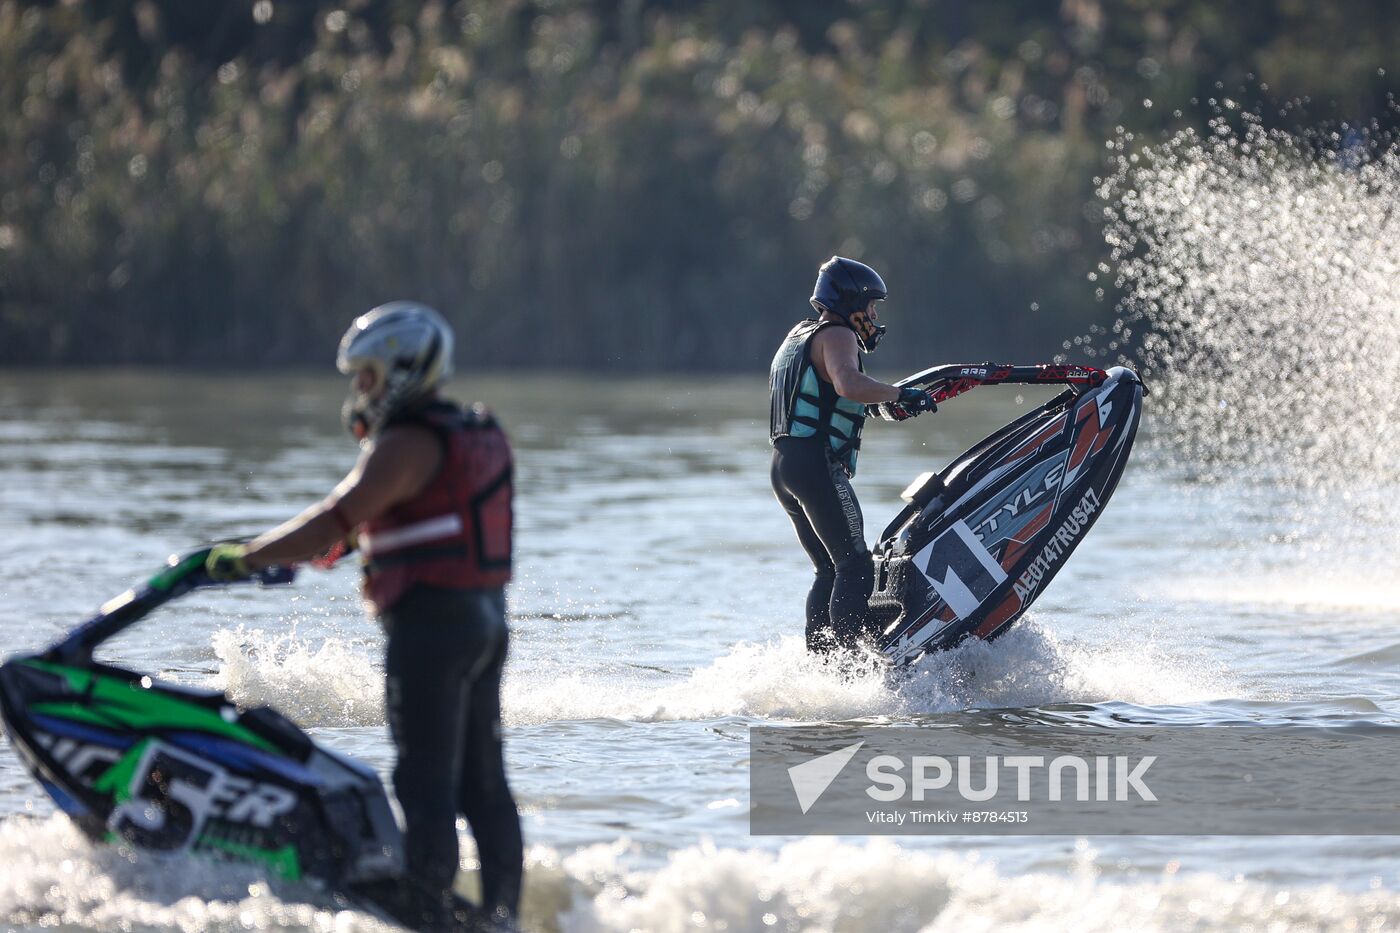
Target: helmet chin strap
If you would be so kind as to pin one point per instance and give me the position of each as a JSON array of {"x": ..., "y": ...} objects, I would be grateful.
[
  {"x": 363, "y": 416},
  {"x": 868, "y": 344},
  {"x": 355, "y": 419},
  {"x": 363, "y": 406},
  {"x": 868, "y": 333}
]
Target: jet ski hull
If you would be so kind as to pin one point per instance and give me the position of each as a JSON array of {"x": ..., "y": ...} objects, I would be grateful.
[
  {"x": 169, "y": 768},
  {"x": 979, "y": 542}
]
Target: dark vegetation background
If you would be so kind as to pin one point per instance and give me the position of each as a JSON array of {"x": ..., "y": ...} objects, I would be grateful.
[{"x": 631, "y": 185}]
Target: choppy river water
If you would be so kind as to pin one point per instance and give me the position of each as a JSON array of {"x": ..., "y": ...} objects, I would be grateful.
[{"x": 656, "y": 617}]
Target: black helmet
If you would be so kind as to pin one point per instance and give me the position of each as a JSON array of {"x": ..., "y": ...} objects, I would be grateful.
[{"x": 845, "y": 288}]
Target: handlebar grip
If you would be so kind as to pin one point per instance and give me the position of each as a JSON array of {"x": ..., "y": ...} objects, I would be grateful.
[{"x": 275, "y": 575}]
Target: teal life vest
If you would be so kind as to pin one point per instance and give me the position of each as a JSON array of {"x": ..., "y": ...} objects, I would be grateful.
[{"x": 803, "y": 404}]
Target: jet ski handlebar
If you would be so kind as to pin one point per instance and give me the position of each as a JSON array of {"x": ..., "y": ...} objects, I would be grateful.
[
  {"x": 953, "y": 379},
  {"x": 182, "y": 574}
]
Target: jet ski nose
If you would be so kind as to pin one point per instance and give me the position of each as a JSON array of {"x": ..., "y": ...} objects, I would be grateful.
[{"x": 1123, "y": 373}]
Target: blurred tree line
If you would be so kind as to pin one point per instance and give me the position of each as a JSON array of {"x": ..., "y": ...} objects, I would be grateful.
[{"x": 598, "y": 184}]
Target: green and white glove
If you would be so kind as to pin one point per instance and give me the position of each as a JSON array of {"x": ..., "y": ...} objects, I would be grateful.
[{"x": 228, "y": 562}]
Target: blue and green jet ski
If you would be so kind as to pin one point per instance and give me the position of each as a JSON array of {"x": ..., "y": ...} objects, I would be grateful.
[{"x": 172, "y": 768}]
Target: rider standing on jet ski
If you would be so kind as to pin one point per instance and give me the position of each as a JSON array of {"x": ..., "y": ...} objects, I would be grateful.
[
  {"x": 819, "y": 393},
  {"x": 429, "y": 506}
]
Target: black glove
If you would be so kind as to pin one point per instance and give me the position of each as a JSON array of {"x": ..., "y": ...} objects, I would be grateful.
[{"x": 915, "y": 401}]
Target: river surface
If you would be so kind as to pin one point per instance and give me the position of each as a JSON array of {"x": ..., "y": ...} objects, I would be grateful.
[{"x": 657, "y": 616}]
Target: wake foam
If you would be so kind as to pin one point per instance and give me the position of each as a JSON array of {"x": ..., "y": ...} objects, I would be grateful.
[
  {"x": 1308, "y": 590},
  {"x": 822, "y": 884},
  {"x": 316, "y": 682},
  {"x": 781, "y": 680},
  {"x": 1031, "y": 666},
  {"x": 55, "y": 878},
  {"x": 337, "y": 682}
]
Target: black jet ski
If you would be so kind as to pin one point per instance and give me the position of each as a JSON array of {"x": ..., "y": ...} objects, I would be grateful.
[
  {"x": 172, "y": 768},
  {"x": 977, "y": 542}
]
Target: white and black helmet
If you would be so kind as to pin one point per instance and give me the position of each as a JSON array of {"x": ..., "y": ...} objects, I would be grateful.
[{"x": 407, "y": 347}]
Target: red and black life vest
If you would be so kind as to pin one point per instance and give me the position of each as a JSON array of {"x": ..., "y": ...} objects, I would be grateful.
[{"x": 456, "y": 532}]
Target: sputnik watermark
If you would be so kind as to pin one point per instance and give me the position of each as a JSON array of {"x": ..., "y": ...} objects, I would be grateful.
[
  {"x": 811, "y": 778},
  {"x": 1115, "y": 778},
  {"x": 1103, "y": 778},
  {"x": 1011, "y": 778}
]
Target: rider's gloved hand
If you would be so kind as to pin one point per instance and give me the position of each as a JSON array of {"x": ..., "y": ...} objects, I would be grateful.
[
  {"x": 228, "y": 562},
  {"x": 915, "y": 401}
]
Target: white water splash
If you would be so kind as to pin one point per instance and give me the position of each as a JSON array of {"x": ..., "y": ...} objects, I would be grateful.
[
  {"x": 321, "y": 682},
  {"x": 1261, "y": 273},
  {"x": 820, "y": 884},
  {"x": 334, "y": 682},
  {"x": 54, "y": 877},
  {"x": 1030, "y": 666},
  {"x": 781, "y": 680}
]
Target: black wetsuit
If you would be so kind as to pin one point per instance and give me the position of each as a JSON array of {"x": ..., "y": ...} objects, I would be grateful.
[
  {"x": 447, "y": 648},
  {"x": 436, "y": 566},
  {"x": 817, "y": 495},
  {"x": 815, "y": 436}
]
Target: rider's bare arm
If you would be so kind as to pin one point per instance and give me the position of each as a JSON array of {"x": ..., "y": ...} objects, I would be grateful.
[
  {"x": 399, "y": 464},
  {"x": 835, "y": 354}
]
